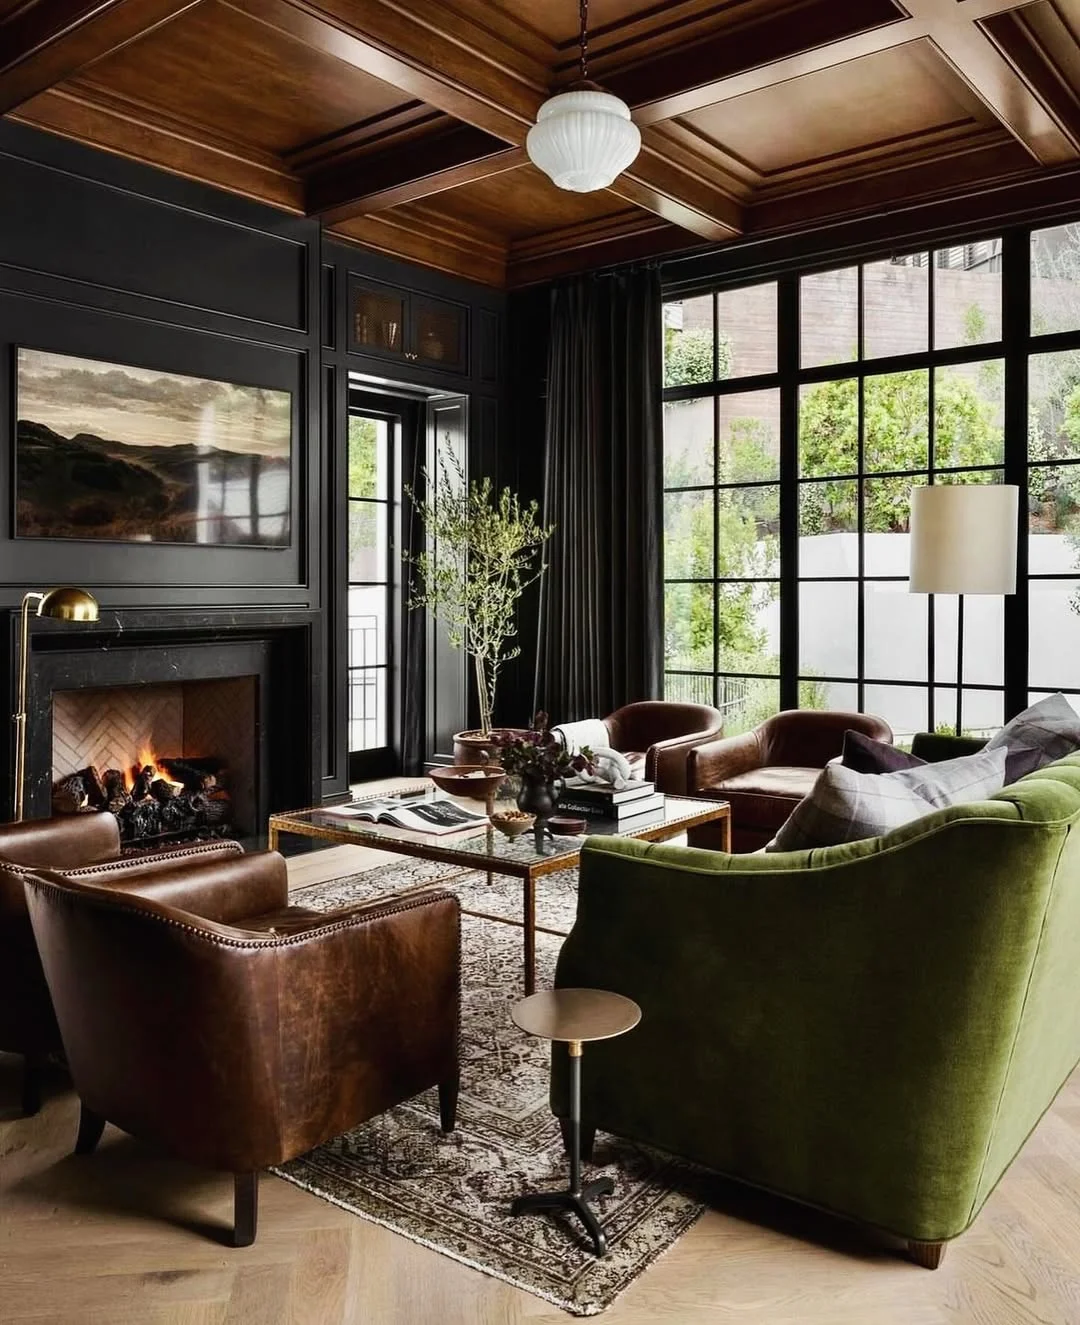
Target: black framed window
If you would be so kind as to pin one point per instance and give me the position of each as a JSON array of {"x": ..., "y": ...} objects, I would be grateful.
[
  {"x": 799, "y": 413},
  {"x": 372, "y": 450}
]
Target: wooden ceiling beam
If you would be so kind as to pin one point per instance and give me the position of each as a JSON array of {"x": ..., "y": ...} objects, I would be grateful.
[
  {"x": 440, "y": 161},
  {"x": 44, "y": 43},
  {"x": 669, "y": 190}
]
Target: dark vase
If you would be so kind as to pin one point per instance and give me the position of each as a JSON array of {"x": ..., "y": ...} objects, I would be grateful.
[{"x": 538, "y": 796}]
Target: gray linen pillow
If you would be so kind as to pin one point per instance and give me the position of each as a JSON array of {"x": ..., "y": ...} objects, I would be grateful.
[
  {"x": 845, "y": 806},
  {"x": 1044, "y": 732}
]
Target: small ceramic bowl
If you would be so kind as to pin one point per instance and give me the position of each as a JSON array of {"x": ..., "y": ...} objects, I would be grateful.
[
  {"x": 472, "y": 782},
  {"x": 565, "y": 825},
  {"x": 511, "y": 823}
]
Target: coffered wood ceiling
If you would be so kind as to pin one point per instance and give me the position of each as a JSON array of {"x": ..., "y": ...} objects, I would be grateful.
[{"x": 402, "y": 122}]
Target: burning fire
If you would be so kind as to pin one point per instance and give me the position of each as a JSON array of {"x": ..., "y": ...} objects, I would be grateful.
[{"x": 148, "y": 759}]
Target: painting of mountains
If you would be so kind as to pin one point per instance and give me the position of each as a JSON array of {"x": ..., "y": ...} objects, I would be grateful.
[{"x": 107, "y": 451}]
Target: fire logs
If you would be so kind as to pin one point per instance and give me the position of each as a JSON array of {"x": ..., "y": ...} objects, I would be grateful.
[{"x": 188, "y": 802}]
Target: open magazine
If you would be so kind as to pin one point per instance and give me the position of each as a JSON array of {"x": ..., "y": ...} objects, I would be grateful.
[{"x": 419, "y": 816}]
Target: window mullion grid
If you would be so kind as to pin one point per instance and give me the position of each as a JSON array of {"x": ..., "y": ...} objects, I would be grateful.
[
  {"x": 716, "y": 524},
  {"x": 931, "y": 433},
  {"x": 1016, "y": 329}
]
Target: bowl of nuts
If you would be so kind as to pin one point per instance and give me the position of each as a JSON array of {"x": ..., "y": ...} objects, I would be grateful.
[{"x": 511, "y": 822}]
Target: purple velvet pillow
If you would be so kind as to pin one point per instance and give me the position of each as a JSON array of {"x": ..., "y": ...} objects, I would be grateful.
[{"x": 862, "y": 754}]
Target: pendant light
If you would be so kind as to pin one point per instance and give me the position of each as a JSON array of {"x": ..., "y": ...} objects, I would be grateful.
[{"x": 583, "y": 138}]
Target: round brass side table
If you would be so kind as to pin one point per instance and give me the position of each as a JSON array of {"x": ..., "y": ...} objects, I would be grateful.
[{"x": 574, "y": 1016}]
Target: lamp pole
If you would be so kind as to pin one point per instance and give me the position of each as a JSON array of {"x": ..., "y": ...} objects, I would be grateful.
[{"x": 20, "y": 712}]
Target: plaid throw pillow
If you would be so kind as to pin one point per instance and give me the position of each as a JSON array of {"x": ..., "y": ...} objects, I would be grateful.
[
  {"x": 862, "y": 754},
  {"x": 1044, "y": 732},
  {"x": 844, "y": 806}
]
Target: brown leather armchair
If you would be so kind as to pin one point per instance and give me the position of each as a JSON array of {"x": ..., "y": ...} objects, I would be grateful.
[
  {"x": 27, "y": 1023},
  {"x": 764, "y": 773},
  {"x": 656, "y": 735},
  {"x": 204, "y": 1014}
]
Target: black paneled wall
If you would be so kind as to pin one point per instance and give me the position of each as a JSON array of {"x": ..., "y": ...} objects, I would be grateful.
[{"x": 109, "y": 260}]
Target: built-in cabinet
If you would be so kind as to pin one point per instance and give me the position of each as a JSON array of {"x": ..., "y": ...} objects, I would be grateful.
[{"x": 407, "y": 326}]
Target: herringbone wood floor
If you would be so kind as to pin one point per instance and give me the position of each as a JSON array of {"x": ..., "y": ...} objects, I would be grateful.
[{"x": 125, "y": 1237}]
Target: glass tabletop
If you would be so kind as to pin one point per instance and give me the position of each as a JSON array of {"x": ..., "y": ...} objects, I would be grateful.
[{"x": 484, "y": 844}]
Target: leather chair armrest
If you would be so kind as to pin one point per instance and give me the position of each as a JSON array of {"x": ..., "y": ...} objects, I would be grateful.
[
  {"x": 66, "y": 841},
  {"x": 220, "y": 883},
  {"x": 666, "y": 762},
  {"x": 707, "y": 765}
]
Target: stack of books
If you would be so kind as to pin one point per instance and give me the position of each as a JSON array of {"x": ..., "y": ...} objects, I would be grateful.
[{"x": 596, "y": 800}]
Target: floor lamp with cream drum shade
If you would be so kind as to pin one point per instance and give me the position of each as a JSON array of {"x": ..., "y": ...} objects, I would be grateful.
[{"x": 963, "y": 541}]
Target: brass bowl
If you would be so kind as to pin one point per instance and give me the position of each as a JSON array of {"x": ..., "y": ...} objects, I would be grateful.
[
  {"x": 477, "y": 782},
  {"x": 512, "y": 827}
]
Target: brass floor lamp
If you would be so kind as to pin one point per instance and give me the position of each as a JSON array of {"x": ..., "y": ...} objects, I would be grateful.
[{"x": 63, "y": 604}]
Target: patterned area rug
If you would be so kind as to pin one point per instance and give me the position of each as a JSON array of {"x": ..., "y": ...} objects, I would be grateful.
[{"x": 453, "y": 1193}]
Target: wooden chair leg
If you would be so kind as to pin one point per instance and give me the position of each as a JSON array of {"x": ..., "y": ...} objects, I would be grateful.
[
  {"x": 448, "y": 1098},
  {"x": 587, "y": 1137},
  {"x": 927, "y": 1254},
  {"x": 31, "y": 1084},
  {"x": 91, "y": 1126},
  {"x": 245, "y": 1208}
]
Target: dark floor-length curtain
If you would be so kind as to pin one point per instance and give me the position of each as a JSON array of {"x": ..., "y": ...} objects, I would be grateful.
[{"x": 601, "y": 599}]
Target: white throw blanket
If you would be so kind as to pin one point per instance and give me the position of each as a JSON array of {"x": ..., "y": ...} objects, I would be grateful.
[{"x": 591, "y": 732}]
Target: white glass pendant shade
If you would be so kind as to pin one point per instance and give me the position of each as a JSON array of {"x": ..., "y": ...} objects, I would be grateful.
[{"x": 583, "y": 140}]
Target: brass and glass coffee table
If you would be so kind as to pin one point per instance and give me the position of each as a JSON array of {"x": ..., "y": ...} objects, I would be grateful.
[{"x": 487, "y": 850}]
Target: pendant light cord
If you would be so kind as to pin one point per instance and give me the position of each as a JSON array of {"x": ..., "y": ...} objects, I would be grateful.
[{"x": 584, "y": 12}]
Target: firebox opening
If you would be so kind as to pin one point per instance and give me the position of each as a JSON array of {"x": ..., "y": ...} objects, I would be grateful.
[{"x": 174, "y": 762}]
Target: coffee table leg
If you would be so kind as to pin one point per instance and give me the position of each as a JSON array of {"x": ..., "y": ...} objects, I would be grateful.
[
  {"x": 529, "y": 919},
  {"x": 725, "y": 833},
  {"x": 272, "y": 839}
]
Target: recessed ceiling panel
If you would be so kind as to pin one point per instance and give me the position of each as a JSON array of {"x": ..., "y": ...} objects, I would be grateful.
[
  {"x": 891, "y": 98},
  {"x": 524, "y": 202},
  {"x": 243, "y": 80}
]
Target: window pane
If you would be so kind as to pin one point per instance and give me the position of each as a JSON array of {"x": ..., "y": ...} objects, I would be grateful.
[
  {"x": 688, "y": 535},
  {"x": 1053, "y": 519},
  {"x": 828, "y": 528},
  {"x": 688, "y": 443},
  {"x": 367, "y": 540},
  {"x": 1054, "y": 405},
  {"x": 984, "y": 638},
  {"x": 688, "y": 627},
  {"x": 746, "y": 701},
  {"x": 829, "y": 429},
  {"x": 904, "y": 708},
  {"x": 838, "y": 696},
  {"x": 749, "y": 625},
  {"x": 748, "y": 530},
  {"x": 688, "y": 341},
  {"x": 367, "y": 626},
  {"x": 746, "y": 323},
  {"x": 828, "y": 629},
  {"x": 368, "y": 455},
  {"x": 1054, "y": 638},
  {"x": 829, "y": 317},
  {"x": 688, "y": 689},
  {"x": 983, "y": 715},
  {"x": 896, "y": 421},
  {"x": 895, "y": 624},
  {"x": 967, "y": 294},
  {"x": 1055, "y": 279},
  {"x": 887, "y": 519},
  {"x": 969, "y": 414},
  {"x": 896, "y": 306},
  {"x": 367, "y": 709},
  {"x": 749, "y": 436}
]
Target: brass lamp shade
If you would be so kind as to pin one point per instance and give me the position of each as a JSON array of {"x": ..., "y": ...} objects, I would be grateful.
[{"x": 68, "y": 604}]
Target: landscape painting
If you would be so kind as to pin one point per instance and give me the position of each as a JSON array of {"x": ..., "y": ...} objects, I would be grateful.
[{"x": 106, "y": 451}]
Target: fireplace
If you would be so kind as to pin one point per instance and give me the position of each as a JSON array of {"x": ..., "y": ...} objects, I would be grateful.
[
  {"x": 174, "y": 762},
  {"x": 217, "y": 706}
]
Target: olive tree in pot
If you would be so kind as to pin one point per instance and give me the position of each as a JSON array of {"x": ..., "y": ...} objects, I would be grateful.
[{"x": 484, "y": 550}]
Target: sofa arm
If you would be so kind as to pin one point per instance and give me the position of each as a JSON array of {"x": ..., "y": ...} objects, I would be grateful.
[
  {"x": 838, "y": 1034},
  {"x": 666, "y": 762},
  {"x": 221, "y": 883},
  {"x": 716, "y": 761}
]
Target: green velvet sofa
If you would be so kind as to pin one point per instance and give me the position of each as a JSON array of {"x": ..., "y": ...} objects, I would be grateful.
[{"x": 873, "y": 1029}]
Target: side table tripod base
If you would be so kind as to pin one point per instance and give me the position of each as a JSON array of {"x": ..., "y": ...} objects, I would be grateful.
[{"x": 576, "y": 1203}]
